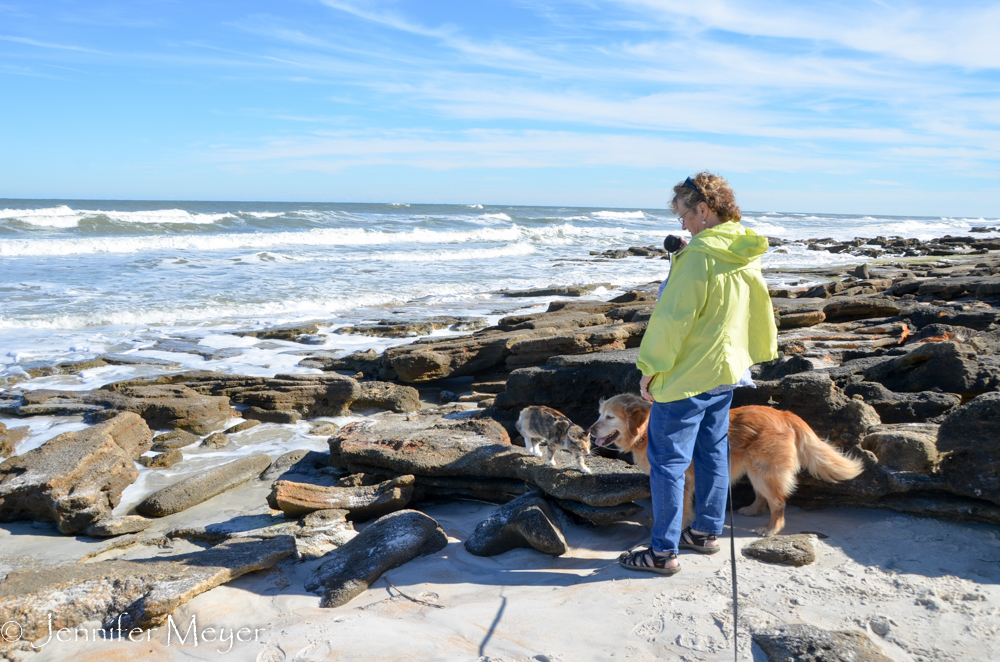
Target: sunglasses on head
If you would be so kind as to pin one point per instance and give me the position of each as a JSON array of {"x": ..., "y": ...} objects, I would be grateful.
[{"x": 691, "y": 185}]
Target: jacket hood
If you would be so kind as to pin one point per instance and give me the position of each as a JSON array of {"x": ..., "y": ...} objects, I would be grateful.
[{"x": 729, "y": 242}]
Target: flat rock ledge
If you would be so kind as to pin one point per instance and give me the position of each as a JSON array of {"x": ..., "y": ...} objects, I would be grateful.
[
  {"x": 362, "y": 502},
  {"x": 76, "y": 478},
  {"x": 203, "y": 486},
  {"x": 427, "y": 446},
  {"x": 386, "y": 543},
  {"x": 527, "y": 521},
  {"x": 795, "y": 550},
  {"x": 807, "y": 643},
  {"x": 144, "y": 593}
]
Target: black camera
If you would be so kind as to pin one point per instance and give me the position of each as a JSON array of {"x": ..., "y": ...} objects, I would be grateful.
[{"x": 672, "y": 243}]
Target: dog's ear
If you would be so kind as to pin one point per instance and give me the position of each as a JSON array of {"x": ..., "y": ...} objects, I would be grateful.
[{"x": 636, "y": 416}]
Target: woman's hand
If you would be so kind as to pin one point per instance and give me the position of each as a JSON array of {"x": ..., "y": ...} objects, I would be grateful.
[{"x": 644, "y": 387}]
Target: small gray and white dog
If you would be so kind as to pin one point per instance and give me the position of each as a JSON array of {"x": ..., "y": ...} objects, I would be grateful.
[{"x": 545, "y": 424}]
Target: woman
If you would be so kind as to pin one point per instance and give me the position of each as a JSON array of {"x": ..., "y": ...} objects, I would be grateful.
[{"x": 712, "y": 322}]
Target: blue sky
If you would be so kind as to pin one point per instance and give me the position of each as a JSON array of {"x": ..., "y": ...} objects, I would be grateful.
[{"x": 847, "y": 107}]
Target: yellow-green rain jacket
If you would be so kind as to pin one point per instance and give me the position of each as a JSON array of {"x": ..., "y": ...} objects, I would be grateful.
[{"x": 714, "y": 319}]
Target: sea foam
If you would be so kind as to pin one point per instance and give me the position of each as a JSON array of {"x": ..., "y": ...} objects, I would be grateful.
[{"x": 314, "y": 238}]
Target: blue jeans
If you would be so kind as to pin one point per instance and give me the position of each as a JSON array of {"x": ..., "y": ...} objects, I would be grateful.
[{"x": 695, "y": 428}]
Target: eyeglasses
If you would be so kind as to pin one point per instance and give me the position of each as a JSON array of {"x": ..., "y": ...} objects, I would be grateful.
[{"x": 681, "y": 217}]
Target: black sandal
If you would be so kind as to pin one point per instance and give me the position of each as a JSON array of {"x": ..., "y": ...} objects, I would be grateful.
[
  {"x": 696, "y": 541},
  {"x": 646, "y": 560}
]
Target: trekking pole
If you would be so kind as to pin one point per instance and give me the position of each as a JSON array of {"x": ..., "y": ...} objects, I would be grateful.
[{"x": 732, "y": 560}]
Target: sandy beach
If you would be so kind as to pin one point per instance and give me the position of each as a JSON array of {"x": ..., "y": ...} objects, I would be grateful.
[{"x": 922, "y": 589}]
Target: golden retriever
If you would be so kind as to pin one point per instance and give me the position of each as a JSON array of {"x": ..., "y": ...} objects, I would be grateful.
[{"x": 768, "y": 445}]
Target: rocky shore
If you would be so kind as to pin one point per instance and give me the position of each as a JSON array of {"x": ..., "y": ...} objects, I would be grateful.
[{"x": 896, "y": 362}]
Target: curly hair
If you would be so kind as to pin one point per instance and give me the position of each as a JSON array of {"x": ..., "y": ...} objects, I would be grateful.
[{"x": 713, "y": 190}]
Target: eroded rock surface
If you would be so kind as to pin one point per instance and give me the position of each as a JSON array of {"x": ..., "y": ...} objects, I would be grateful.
[
  {"x": 795, "y": 550},
  {"x": 362, "y": 502},
  {"x": 76, "y": 478},
  {"x": 193, "y": 490},
  {"x": 386, "y": 543},
  {"x": 527, "y": 521},
  {"x": 142, "y": 592},
  {"x": 384, "y": 395},
  {"x": 9, "y": 438},
  {"x": 806, "y": 643},
  {"x": 442, "y": 448}
]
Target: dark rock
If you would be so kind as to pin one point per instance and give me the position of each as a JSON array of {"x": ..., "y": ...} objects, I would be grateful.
[
  {"x": 490, "y": 383},
  {"x": 904, "y": 447},
  {"x": 162, "y": 406},
  {"x": 814, "y": 397},
  {"x": 9, "y": 438},
  {"x": 386, "y": 543},
  {"x": 271, "y": 415},
  {"x": 597, "y": 515},
  {"x": 368, "y": 363},
  {"x": 161, "y": 460},
  {"x": 572, "y": 291},
  {"x": 631, "y": 296},
  {"x": 535, "y": 351},
  {"x": 492, "y": 490},
  {"x": 177, "y": 406},
  {"x": 242, "y": 426},
  {"x": 445, "y": 396},
  {"x": 573, "y": 385},
  {"x": 363, "y": 502},
  {"x": 396, "y": 329},
  {"x": 301, "y": 462},
  {"x": 118, "y": 526},
  {"x": 387, "y": 396},
  {"x": 173, "y": 440},
  {"x": 945, "y": 332},
  {"x": 782, "y": 367},
  {"x": 527, "y": 521},
  {"x": 309, "y": 395},
  {"x": 286, "y": 332},
  {"x": 949, "y": 366},
  {"x": 806, "y": 643},
  {"x": 143, "y": 592},
  {"x": 76, "y": 478},
  {"x": 970, "y": 436},
  {"x": 861, "y": 271},
  {"x": 903, "y": 286},
  {"x": 443, "y": 449},
  {"x": 981, "y": 319},
  {"x": 795, "y": 550},
  {"x": 861, "y": 308},
  {"x": 953, "y": 288},
  {"x": 517, "y": 341},
  {"x": 903, "y": 407},
  {"x": 795, "y": 320},
  {"x": 203, "y": 486}
]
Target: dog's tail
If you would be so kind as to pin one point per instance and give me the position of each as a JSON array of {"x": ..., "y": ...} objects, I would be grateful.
[{"x": 820, "y": 458}]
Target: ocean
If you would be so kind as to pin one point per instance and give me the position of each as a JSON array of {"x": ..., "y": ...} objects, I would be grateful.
[{"x": 78, "y": 278}]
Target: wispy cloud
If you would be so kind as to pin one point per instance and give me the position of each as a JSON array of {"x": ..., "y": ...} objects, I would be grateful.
[{"x": 45, "y": 44}]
